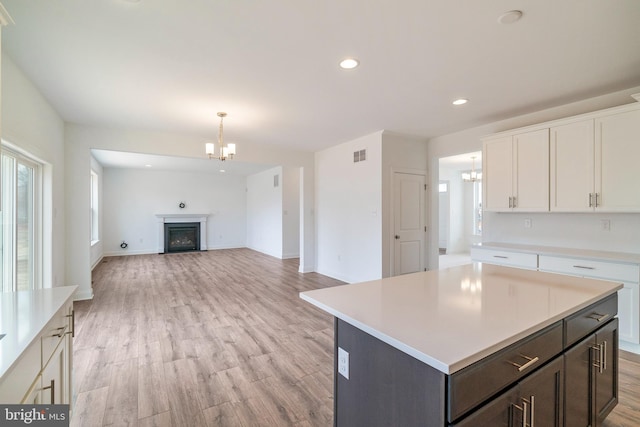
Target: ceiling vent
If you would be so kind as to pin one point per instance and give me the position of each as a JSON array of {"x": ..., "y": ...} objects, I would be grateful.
[{"x": 359, "y": 156}]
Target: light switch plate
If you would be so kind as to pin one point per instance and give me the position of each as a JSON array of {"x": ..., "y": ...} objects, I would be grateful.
[{"x": 343, "y": 362}]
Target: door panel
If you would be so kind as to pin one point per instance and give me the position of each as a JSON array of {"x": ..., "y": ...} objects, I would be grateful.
[{"x": 409, "y": 229}]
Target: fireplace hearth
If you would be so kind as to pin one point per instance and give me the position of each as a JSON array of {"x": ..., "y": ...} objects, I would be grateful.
[{"x": 181, "y": 236}]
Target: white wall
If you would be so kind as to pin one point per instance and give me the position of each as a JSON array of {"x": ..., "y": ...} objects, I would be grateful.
[
  {"x": 348, "y": 216},
  {"x": 30, "y": 123},
  {"x": 400, "y": 153},
  {"x": 570, "y": 230},
  {"x": 291, "y": 212},
  {"x": 264, "y": 212},
  {"x": 132, "y": 198}
]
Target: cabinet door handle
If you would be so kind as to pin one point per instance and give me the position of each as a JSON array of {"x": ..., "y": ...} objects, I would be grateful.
[
  {"x": 584, "y": 267},
  {"x": 596, "y": 194},
  {"x": 590, "y": 200},
  {"x": 604, "y": 356},
  {"x": 501, "y": 256},
  {"x": 531, "y": 361},
  {"x": 532, "y": 411},
  {"x": 52, "y": 387},
  {"x": 600, "y": 362},
  {"x": 599, "y": 317},
  {"x": 61, "y": 333},
  {"x": 523, "y": 409},
  {"x": 73, "y": 323},
  {"x": 514, "y": 201}
]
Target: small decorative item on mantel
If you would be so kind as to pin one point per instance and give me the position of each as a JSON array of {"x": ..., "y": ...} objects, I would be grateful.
[{"x": 182, "y": 205}]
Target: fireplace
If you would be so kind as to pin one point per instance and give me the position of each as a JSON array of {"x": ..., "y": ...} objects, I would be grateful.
[{"x": 181, "y": 236}]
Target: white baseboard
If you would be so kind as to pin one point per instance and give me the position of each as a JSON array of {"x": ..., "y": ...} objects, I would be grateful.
[
  {"x": 306, "y": 269},
  {"x": 291, "y": 255}
]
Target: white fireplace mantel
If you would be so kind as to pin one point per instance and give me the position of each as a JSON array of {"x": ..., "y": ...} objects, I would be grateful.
[{"x": 173, "y": 218}]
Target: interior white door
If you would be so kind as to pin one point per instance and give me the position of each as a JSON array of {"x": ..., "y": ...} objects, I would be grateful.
[{"x": 409, "y": 223}]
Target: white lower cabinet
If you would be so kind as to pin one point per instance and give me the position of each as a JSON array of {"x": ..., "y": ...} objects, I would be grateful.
[
  {"x": 628, "y": 296},
  {"x": 626, "y": 273},
  {"x": 506, "y": 258},
  {"x": 42, "y": 374}
]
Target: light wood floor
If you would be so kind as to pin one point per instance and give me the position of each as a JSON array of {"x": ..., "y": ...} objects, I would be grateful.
[{"x": 218, "y": 338}]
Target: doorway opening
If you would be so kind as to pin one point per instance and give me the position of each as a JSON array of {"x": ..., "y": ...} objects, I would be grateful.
[{"x": 460, "y": 207}]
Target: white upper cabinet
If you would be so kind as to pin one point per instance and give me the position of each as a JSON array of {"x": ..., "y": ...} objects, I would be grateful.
[
  {"x": 572, "y": 167},
  {"x": 617, "y": 150},
  {"x": 516, "y": 172},
  {"x": 593, "y": 164},
  {"x": 585, "y": 163}
]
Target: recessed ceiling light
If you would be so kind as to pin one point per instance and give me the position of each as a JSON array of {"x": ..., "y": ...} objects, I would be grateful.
[
  {"x": 147, "y": 166},
  {"x": 460, "y": 101},
  {"x": 222, "y": 171},
  {"x": 349, "y": 63},
  {"x": 510, "y": 17}
]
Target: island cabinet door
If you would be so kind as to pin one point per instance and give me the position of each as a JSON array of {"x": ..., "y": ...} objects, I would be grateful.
[
  {"x": 592, "y": 377},
  {"x": 537, "y": 400},
  {"x": 606, "y": 370}
]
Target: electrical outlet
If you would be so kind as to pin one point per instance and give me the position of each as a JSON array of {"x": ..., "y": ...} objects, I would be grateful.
[
  {"x": 527, "y": 223},
  {"x": 605, "y": 224},
  {"x": 343, "y": 362}
]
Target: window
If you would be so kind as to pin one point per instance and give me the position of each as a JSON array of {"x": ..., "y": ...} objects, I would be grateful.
[
  {"x": 21, "y": 205},
  {"x": 94, "y": 208}
]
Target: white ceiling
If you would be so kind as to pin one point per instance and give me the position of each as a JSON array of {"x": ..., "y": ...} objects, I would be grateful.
[{"x": 273, "y": 65}]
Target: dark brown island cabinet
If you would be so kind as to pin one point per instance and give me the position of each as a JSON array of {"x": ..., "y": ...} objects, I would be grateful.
[
  {"x": 526, "y": 349},
  {"x": 565, "y": 375}
]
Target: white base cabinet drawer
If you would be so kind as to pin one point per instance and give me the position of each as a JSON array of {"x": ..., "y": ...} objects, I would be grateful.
[
  {"x": 586, "y": 268},
  {"x": 507, "y": 258}
]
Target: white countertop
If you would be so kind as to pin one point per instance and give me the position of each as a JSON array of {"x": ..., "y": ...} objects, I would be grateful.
[
  {"x": 23, "y": 316},
  {"x": 624, "y": 257},
  {"x": 453, "y": 317}
]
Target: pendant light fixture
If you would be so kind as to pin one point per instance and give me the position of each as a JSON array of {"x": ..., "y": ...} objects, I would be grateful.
[
  {"x": 227, "y": 151},
  {"x": 472, "y": 176}
]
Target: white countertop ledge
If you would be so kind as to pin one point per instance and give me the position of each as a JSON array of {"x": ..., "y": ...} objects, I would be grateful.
[
  {"x": 23, "y": 316},
  {"x": 453, "y": 317}
]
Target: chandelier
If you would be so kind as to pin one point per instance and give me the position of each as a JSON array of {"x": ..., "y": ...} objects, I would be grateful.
[
  {"x": 227, "y": 151},
  {"x": 472, "y": 176}
]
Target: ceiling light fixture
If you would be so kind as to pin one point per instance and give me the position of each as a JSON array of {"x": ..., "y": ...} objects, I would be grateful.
[
  {"x": 510, "y": 17},
  {"x": 460, "y": 101},
  {"x": 472, "y": 176},
  {"x": 349, "y": 63},
  {"x": 227, "y": 151}
]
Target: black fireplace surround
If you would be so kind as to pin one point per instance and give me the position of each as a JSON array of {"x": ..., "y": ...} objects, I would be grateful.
[{"x": 181, "y": 236}]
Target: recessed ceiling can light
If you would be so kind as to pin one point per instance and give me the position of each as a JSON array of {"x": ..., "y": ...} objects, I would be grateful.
[
  {"x": 222, "y": 171},
  {"x": 349, "y": 63},
  {"x": 510, "y": 17},
  {"x": 460, "y": 101},
  {"x": 147, "y": 166}
]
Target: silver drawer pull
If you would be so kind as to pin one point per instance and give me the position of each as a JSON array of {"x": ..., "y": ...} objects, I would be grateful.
[
  {"x": 531, "y": 361},
  {"x": 501, "y": 256},
  {"x": 584, "y": 267},
  {"x": 599, "y": 317},
  {"x": 60, "y": 333}
]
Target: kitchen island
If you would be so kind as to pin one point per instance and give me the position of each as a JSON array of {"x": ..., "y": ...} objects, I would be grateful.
[{"x": 473, "y": 345}]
